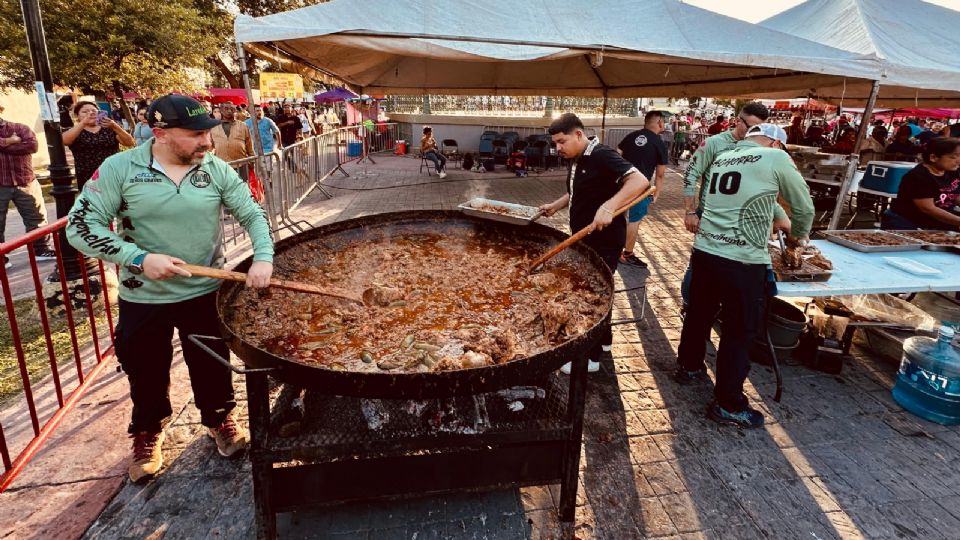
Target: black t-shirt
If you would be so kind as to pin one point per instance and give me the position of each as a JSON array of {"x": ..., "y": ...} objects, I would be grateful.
[
  {"x": 920, "y": 183},
  {"x": 926, "y": 135},
  {"x": 645, "y": 149},
  {"x": 288, "y": 134},
  {"x": 591, "y": 181},
  {"x": 897, "y": 147}
]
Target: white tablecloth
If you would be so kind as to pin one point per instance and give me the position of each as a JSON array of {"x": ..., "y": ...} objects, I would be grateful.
[{"x": 867, "y": 273}]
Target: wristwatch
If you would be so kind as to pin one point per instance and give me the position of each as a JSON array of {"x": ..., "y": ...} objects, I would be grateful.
[{"x": 136, "y": 265}]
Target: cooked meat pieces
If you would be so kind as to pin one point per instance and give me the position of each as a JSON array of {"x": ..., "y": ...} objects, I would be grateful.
[
  {"x": 873, "y": 238},
  {"x": 436, "y": 299},
  {"x": 383, "y": 296},
  {"x": 555, "y": 318},
  {"x": 820, "y": 261},
  {"x": 944, "y": 238},
  {"x": 793, "y": 257}
]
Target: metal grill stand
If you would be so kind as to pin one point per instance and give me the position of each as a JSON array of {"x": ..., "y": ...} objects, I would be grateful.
[{"x": 352, "y": 449}]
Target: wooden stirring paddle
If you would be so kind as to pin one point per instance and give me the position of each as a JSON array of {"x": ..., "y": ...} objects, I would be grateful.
[
  {"x": 219, "y": 273},
  {"x": 583, "y": 232}
]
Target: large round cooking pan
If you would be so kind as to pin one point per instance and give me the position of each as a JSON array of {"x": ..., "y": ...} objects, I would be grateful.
[{"x": 429, "y": 384}]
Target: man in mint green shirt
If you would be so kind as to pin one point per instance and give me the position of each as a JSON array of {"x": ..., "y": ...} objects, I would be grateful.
[
  {"x": 166, "y": 196},
  {"x": 752, "y": 114},
  {"x": 730, "y": 259}
]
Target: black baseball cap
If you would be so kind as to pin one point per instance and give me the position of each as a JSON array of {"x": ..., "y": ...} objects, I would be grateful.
[{"x": 176, "y": 111}]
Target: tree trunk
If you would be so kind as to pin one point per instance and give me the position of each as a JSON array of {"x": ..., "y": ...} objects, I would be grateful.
[
  {"x": 232, "y": 79},
  {"x": 118, "y": 90}
]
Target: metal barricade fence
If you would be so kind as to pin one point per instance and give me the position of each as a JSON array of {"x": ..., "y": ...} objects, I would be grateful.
[
  {"x": 61, "y": 334},
  {"x": 290, "y": 175}
]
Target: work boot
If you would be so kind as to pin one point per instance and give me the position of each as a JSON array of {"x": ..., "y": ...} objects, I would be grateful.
[
  {"x": 230, "y": 437},
  {"x": 147, "y": 455}
]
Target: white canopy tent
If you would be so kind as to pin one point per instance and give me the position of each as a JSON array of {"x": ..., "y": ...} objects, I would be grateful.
[
  {"x": 604, "y": 47},
  {"x": 914, "y": 41}
]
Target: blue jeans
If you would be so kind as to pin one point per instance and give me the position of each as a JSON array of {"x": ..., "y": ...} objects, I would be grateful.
[{"x": 438, "y": 159}]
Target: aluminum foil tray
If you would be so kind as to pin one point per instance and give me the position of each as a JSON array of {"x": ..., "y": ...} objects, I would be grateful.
[
  {"x": 897, "y": 242},
  {"x": 517, "y": 214}
]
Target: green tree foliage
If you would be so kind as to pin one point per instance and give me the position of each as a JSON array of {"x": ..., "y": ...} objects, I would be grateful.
[{"x": 100, "y": 45}]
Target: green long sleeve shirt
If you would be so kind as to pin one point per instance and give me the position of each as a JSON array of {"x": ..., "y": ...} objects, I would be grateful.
[
  {"x": 740, "y": 199},
  {"x": 156, "y": 215},
  {"x": 701, "y": 161}
]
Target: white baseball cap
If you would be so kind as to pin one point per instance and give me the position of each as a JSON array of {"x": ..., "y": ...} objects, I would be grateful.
[{"x": 772, "y": 131}]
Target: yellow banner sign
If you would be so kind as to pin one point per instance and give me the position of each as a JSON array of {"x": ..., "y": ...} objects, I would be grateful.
[{"x": 281, "y": 85}]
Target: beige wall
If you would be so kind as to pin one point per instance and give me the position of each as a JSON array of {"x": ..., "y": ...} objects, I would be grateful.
[{"x": 24, "y": 108}]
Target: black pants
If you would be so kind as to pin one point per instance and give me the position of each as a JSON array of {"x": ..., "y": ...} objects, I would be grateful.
[
  {"x": 611, "y": 256},
  {"x": 738, "y": 291},
  {"x": 144, "y": 348}
]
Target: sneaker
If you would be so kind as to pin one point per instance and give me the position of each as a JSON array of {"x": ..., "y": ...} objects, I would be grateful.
[
  {"x": 46, "y": 254},
  {"x": 147, "y": 455},
  {"x": 684, "y": 377},
  {"x": 443, "y": 174},
  {"x": 747, "y": 418},
  {"x": 606, "y": 348},
  {"x": 230, "y": 438},
  {"x": 631, "y": 260},
  {"x": 592, "y": 367},
  {"x": 6, "y": 262}
]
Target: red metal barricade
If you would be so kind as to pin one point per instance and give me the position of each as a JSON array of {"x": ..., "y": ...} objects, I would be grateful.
[{"x": 88, "y": 355}]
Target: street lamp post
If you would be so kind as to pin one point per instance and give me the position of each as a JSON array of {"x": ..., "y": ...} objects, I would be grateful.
[{"x": 60, "y": 174}]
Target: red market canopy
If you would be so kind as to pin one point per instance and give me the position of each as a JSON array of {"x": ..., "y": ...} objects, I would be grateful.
[
  {"x": 237, "y": 96},
  {"x": 910, "y": 111}
]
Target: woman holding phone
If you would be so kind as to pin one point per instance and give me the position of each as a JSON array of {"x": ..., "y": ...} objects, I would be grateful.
[{"x": 93, "y": 138}]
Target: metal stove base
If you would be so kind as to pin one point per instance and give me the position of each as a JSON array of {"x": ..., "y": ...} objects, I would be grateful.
[{"x": 319, "y": 468}]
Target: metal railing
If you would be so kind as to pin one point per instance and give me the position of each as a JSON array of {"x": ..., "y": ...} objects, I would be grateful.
[
  {"x": 43, "y": 394},
  {"x": 52, "y": 380},
  {"x": 289, "y": 175}
]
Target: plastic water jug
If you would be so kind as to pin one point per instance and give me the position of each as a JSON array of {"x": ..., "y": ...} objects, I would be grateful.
[{"x": 928, "y": 382}]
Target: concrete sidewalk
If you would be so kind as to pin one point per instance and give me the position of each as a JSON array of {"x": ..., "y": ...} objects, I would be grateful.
[{"x": 837, "y": 459}]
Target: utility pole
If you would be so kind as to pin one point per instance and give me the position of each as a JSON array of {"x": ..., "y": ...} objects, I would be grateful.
[{"x": 62, "y": 177}]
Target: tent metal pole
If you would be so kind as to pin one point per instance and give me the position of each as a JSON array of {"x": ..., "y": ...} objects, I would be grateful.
[
  {"x": 257, "y": 148},
  {"x": 854, "y": 159},
  {"x": 258, "y": 165},
  {"x": 603, "y": 119}
]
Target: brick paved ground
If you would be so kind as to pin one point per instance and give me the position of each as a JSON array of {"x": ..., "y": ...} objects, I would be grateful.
[{"x": 838, "y": 458}]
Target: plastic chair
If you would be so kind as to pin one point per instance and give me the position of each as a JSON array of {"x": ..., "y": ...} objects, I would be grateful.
[
  {"x": 501, "y": 150},
  {"x": 538, "y": 152},
  {"x": 486, "y": 148}
]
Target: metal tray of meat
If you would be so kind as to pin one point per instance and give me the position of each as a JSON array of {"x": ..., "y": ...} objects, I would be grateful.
[
  {"x": 885, "y": 241},
  {"x": 517, "y": 214},
  {"x": 807, "y": 271},
  {"x": 947, "y": 241}
]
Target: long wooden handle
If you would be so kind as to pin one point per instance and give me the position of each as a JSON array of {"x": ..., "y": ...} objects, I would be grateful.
[
  {"x": 219, "y": 273},
  {"x": 584, "y": 232}
]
